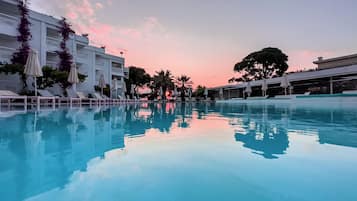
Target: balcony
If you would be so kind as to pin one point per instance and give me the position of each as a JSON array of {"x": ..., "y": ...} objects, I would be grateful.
[
  {"x": 53, "y": 44},
  {"x": 82, "y": 57},
  {"x": 6, "y": 54},
  {"x": 100, "y": 64},
  {"x": 119, "y": 84},
  {"x": 82, "y": 39},
  {"x": 117, "y": 71},
  {"x": 52, "y": 62},
  {"x": 82, "y": 69},
  {"x": 8, "y": 24},
  {"x": 12, "y": 1},
  {"x": 126, "y": 72}
]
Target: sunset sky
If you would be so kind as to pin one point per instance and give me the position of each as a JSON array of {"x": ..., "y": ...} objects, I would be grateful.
[{"x": 205, "y": 38}]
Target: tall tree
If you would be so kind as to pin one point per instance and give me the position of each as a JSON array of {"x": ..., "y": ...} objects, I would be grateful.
[
  {"x": 64, "y": 54},
  {"x": 266, "y": 63},
  {"x": 137, "y": 77},
  {"x": 20, "y": 56},
  {"x": 163, "y": 79},
  {"x": 183, "y": 80}
]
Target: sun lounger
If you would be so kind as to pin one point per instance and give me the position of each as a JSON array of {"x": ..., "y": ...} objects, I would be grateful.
[
  {"x": 108, "y": 100},
  {"x": 10, "y": 96},
  {"x": 258, "y": 98},
  {"x": 72, "y": 96},
  {"x": 121, "y": 99},
  {"x": 350, "y": 92},
  {"x": 85, "y": 99},
  {"x": 46, "y": 93},
  {"x": 44, "y": 96},
  {"x": 116, "y": 100},
  {"x": 292, "y": 96},
  {"x": 99, "y": 98}
]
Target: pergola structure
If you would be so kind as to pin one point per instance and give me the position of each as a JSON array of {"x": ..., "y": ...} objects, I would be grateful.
[{"x": 324, "y": 81}]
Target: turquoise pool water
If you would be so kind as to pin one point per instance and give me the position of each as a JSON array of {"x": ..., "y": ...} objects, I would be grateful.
[{"x": 184, "y": 152}]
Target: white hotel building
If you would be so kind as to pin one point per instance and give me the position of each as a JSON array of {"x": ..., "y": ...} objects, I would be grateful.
[{"x": 90, "y": 60}]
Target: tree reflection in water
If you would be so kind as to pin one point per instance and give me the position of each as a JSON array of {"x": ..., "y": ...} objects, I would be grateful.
[{"x": 263, "y": 131}]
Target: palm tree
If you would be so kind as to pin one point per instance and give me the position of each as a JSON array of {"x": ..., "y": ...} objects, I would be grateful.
[
  {"x": 183, "y": 80},
  {"x": 163, "y": 79}
]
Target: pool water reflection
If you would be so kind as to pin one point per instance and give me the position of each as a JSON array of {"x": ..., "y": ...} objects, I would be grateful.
[{"x": 180, "y": 152}]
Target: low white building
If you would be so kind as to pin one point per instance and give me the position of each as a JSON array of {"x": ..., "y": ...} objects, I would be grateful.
[
  {"x": 90, "y": 60},
  {"x": 333, "y": 75}
]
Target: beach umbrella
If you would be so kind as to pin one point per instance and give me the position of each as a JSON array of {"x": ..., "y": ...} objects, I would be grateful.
[
  {"x": 285, "y": 83},
  {"x": 132, "y": 90},
  {"x": 124, "y": 89},
  {"x": 205, "y": 93},
  {"x": 102, "y": 83},
  {"x": 248, "y": 89},
  {"x": 189, "y": 93},
  {"x": 33, "y": 68},
  {"x": 73, "y": 76},
  {"x": 115, "y": 85},
  {"x": 264, "y": 87},
  {"x": 221, "y": 92}
]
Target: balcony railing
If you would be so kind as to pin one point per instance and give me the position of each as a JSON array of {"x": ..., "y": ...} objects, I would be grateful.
[
  {"x": 52, "y": 63},
  {"x": 117, "y": 71},
  {"x": 82, "y": 39},
  {"x": 6, "y": 54},
  {"x": 8, "y": 24},
  {"x": 82, "y": 57},
  {"x": 53, "y": 44},
  {"x": 119, "y": 84},
  {"x": 100, "y": 63}
]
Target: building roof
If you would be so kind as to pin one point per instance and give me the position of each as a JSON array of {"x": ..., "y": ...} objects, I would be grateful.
[{"x": 335, "y": 59}]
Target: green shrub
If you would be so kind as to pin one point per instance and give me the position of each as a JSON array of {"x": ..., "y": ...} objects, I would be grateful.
[
  {"x": 52, "y": 76},
  {"x": 14, "y": 69}
]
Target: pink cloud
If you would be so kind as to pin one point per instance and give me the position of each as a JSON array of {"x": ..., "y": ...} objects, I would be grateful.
[
  {"x": 72, "y": 15},
  {"x": 99, "y": 5},
  {"x": 149, "y": 43}
]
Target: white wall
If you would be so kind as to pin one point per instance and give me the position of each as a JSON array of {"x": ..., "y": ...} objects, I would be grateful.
[{"x": 94, "y": 58}]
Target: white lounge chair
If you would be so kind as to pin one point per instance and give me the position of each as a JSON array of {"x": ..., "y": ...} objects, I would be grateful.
[
  {"x": 72, "y": 96},
  {"x": 108, "y": 100},
  {"x": 258, "y": 98},
  {"x": 121, "y": 99},
  {"x": 44, "y": 95},
  {"x": 291, "y": 96},
  {"x": 85, "y": 99},
  {"x": 350, "y": 92},
  {"x": 99, "y": 98},
  {"x": 9, "y": 96}
]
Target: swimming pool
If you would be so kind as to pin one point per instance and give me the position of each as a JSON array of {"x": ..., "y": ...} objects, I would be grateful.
[{"x": 180, "y": 152}]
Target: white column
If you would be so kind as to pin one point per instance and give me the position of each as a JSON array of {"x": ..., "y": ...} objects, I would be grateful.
[
  {"x": 110, "y": 73},
  {"x": 43, "y": 44},
  {"x": 110, "y": 77},
  {"x": 331, "y": 85},
  {"x": 93, "y": 76}
]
